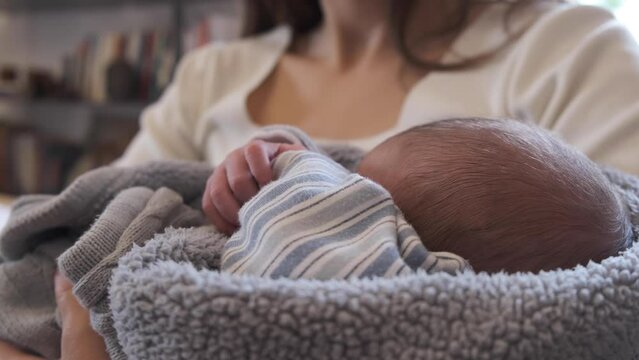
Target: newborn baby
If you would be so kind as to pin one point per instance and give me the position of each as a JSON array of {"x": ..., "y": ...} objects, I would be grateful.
[
  {"x": 504, "y": 195},
  {"x": 501, "y": 194}
]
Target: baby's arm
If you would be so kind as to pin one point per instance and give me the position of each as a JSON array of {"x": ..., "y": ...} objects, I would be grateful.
[{"x": 237, "y": 179}]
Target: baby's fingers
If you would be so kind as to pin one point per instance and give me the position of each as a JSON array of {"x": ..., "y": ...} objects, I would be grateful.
[
  {"x": 258, "y": 160},
  {"x": 210, "y": 209},
  {"x": 288, "y": 147},
  {"x": 258, "y": 156},
  {"x": 222, "y": 197},
  {"x": 239, "y": 177}
]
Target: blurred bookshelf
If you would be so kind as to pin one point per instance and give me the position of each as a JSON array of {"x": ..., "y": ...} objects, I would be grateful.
[
  {"x": 178, "y": 6},
  {"x": 54, "y": 126},
  {"x": 56, "y": 5},
  {"x": 44, "y": 144}
]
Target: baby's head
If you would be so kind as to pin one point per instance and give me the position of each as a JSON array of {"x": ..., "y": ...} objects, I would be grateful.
[{"x": 502, "y": 194}]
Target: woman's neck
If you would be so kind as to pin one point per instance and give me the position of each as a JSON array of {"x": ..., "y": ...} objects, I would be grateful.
[
  {"x": 353, "y": 31},
  {"x": 357, "y": 32}
]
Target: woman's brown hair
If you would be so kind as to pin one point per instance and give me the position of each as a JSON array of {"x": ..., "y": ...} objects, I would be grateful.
[{"x": 304, "y": 16}]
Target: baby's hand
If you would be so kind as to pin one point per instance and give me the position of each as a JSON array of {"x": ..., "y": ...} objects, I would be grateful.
[{"x": 237, "y": 179}]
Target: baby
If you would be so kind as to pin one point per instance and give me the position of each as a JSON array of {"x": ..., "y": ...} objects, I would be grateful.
[{"x": 501, "y": 194}]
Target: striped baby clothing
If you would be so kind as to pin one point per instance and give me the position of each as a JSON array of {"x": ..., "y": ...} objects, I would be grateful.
[{"x": 319, "y": 221}]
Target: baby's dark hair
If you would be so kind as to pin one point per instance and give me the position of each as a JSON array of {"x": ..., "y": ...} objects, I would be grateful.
[{"x": 505, "y": 195}]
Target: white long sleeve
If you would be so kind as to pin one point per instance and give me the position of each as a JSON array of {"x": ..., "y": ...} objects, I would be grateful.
[
  {"x": 181, "y": 125},
  {"x": 575, "y": 71},
  {"x": 168, "y": 126}
]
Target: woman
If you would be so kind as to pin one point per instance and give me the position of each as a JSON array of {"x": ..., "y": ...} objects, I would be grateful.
[
  {"x": 79, "y": 341},
  {"x": 360, "y": 71}
]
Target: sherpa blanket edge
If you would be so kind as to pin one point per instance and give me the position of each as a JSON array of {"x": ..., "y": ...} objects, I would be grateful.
[{"x": 586, "y": 313}]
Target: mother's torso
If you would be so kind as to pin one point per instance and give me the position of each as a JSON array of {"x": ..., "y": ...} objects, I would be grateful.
[{"x": 224, "y": 93}]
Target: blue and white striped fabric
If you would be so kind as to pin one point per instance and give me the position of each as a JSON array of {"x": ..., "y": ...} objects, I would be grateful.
[{"x": 319, "y": 221}]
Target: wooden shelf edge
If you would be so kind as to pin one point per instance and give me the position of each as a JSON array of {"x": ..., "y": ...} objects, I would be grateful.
[{"x": 117, "y": 107}]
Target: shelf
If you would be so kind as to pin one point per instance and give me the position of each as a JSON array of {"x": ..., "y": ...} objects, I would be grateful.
[
  {"x": 60, "y": 5},
  {"x": 74, "y": 122},
  {"x": 15, "y": 110},
  {"x": 47, "y": 143}
]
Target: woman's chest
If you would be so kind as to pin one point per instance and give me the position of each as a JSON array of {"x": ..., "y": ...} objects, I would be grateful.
[
  {"x": 359, "y": 109},
  {"x": 329, "y": 104}
]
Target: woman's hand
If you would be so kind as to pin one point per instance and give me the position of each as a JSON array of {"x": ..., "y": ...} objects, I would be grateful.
[
  {"x": 10, "y": 352},
  {"x": 237, "y": 179},
  {"x": 79, "y": 341}
]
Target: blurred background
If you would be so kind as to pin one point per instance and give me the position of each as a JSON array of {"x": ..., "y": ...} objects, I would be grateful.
[
  {"x": 76, "y": 74},
  {"x": 627, "y": 11}
]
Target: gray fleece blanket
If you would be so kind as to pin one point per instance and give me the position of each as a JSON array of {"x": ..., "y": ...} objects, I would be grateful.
[{"x": 166, "y": 300}]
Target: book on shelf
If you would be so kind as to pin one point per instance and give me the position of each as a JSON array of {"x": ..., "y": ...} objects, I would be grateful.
[
  {"x": 32, "y": 162},
  {"x": 151, "y": 55},
  {"x": 4, "y": 159},
  {"x": 22, "y": 163}
]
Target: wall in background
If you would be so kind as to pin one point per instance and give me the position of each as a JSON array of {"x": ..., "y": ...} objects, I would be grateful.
[
  {"x": 627, "y": 11},
  {"x": 36, "y": 152},
  {"x": 41, "y": 39},
  {"x": 13, "y": 30}
]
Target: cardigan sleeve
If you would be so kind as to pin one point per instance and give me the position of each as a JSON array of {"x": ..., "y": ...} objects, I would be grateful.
[
  {"x": 577, "y": 74},
  {"x": 168, "y": 127},
  {"x": 181, "y": 125}
]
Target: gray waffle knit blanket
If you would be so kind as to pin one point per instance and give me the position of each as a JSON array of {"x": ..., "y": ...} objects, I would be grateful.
[
  {"x": 87, "y": 228},
  {"x": 147, "y": 269}
]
